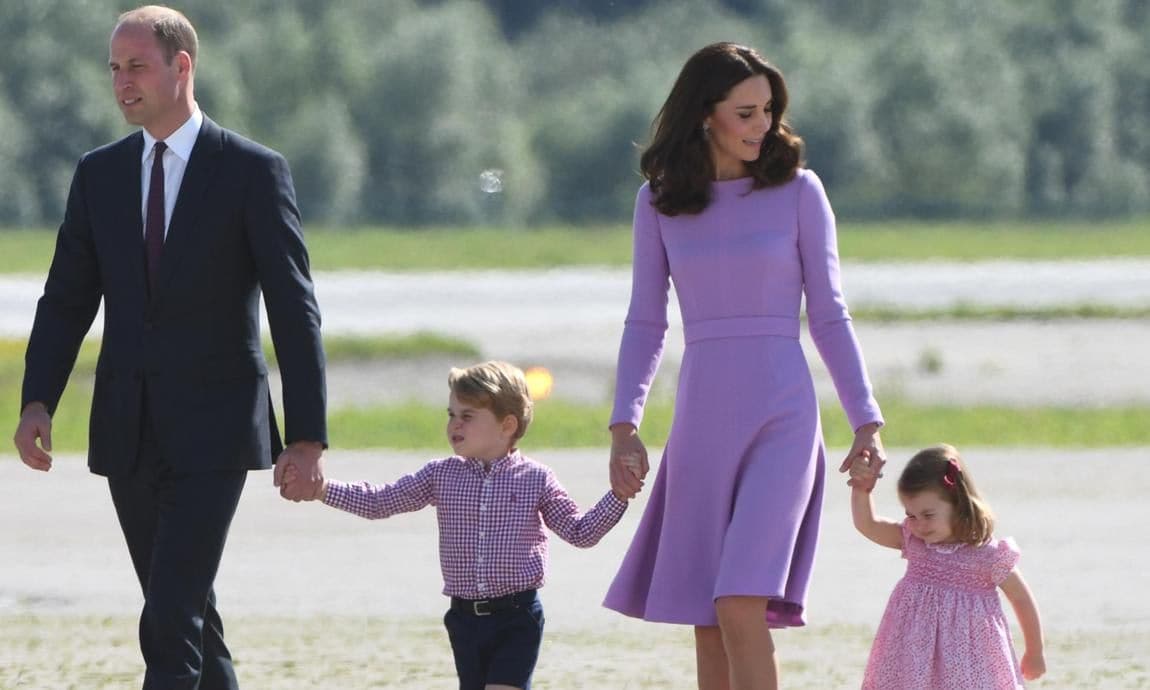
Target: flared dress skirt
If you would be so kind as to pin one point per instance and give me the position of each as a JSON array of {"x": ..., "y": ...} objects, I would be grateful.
[{"x": 734, "y": 509}]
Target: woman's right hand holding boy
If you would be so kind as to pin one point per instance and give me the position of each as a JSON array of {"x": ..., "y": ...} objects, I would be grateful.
[{"x": 628, "y": 465}]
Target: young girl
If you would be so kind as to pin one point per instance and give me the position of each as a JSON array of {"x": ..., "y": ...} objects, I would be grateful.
[{"x": 943, "y": 626}]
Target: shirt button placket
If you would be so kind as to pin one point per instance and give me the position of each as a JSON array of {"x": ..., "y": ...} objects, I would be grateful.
[{"x": 480, "y": 576}]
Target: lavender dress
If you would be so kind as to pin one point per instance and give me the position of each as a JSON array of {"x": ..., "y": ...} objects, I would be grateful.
[{"x": 734, "y": 509}]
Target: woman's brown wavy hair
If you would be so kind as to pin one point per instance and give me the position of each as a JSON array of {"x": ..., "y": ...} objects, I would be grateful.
[{"x": 677, "y": 162}]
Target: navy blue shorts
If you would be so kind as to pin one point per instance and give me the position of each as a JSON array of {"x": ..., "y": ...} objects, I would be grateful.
[{"x": 496, "y": 642}]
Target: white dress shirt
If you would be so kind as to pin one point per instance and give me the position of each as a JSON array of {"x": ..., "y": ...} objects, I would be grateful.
[{"x": 180, "y": 144}]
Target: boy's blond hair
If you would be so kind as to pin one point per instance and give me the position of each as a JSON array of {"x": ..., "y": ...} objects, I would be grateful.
[{"x": 496, "y": 386}]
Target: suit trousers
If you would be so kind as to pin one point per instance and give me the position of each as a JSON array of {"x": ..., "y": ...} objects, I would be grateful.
[{"x": 176, "y": 525}]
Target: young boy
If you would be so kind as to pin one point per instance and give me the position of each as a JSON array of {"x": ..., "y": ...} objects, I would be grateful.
[{"x": 490, "y": 501}]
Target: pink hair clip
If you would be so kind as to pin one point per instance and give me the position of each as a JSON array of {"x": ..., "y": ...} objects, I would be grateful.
[{"x": 950, "y": 479}]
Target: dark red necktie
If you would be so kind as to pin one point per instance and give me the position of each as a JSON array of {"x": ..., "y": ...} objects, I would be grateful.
[{"x": 154, "y": 222}]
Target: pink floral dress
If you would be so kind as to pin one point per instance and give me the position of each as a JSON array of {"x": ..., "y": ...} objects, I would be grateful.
[{"x": 944, "y": 627}]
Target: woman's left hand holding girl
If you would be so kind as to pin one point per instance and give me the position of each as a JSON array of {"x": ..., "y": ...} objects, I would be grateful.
[{"x": 867, "y": 446}]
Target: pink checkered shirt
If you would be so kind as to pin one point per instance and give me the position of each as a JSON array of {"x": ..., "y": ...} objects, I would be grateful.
[{"x": 491, "y": 538}]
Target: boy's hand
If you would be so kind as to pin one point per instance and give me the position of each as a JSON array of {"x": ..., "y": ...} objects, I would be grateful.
[
  {"x": 291, "y": 474},
  {"x": 628, "y": 464},
  {"x": 864, "y": 472},
  {"x": 631, "y": 463}
]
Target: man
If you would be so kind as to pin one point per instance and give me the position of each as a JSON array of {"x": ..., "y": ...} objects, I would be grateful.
[{"x": 178, "y": 228}]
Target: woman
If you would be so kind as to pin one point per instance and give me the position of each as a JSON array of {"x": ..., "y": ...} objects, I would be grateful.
[{"x": 728, "y": 536}]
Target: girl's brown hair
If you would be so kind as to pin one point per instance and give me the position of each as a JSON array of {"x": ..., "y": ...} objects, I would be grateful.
[
  {"x": 677, "y": 162},
  {"x": 941, "y": 469}
]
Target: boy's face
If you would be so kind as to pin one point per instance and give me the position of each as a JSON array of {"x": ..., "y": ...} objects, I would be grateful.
[{"x": 474, "y": 432}]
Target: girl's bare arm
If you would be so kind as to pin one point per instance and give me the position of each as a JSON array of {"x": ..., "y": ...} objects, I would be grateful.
[{"x": 1018, "y": 594}]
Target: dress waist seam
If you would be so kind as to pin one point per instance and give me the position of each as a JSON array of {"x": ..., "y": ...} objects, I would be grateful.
[{"x": 739, "y": 327}]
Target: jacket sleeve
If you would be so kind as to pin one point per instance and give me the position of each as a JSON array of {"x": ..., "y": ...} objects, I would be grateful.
[
  {"x": 281, "y": 257},
  {"x": 65, "y": 311}
]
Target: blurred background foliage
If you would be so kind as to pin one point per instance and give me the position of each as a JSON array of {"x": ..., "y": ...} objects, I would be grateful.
[{"x": 390, "y": 111}]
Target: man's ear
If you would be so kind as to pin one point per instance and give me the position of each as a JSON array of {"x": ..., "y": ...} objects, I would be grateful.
[{"x": 184, "y": 62}]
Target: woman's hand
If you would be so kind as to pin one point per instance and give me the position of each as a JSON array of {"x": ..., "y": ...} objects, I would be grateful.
[
  {"x": 867, "y": 447},
  {"x": 628, "y": 464},
  {"x": 864, "y": 473}
]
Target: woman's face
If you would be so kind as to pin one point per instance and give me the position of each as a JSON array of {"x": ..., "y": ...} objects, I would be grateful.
[{"x": 736, "y": 127}]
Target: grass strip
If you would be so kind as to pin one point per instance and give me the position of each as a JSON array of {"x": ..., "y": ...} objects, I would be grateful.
[
  {"x": 451, "y": 248},
  {"x": 326, "y": 651},
  {"x": 562, "y": 424},
  {"x": 976, "y": 312},
  {"x": 339, "y": 348}
]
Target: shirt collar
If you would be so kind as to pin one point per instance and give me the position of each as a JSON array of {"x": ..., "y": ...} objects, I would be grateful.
[
  {"x": 510, "y": 459},
  {"x": 181, "y": 141}
]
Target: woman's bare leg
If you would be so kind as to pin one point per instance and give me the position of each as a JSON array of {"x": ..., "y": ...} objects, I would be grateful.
[
  {"x": 747, "y": 642},
  {"x": 713, "y": 670}
]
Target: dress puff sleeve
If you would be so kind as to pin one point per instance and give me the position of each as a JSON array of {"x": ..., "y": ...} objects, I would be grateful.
[
  {"x": 906, "y": 537},
  {"x": 1006, "y": 556}
]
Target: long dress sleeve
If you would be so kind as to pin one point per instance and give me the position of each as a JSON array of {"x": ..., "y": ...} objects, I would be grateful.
[
  {"x": 827, "y": 316},
  {"x": 645, "y": 329}
]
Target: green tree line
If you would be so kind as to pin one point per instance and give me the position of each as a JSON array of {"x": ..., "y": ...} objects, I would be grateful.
[{"x": 391, "y": 112}]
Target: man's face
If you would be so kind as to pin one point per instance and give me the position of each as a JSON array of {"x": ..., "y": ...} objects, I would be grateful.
[{"x": 149, "y": 91}]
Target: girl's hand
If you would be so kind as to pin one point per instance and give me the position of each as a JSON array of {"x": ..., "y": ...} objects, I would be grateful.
[
  {"x": 866, "y": 439},
  {"x": 1033, "y": 665},
  {"x": 628, "y": 465},
  {"x": 864, "y": 472}
]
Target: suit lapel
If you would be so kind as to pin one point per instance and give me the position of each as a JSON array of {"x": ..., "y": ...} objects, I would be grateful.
[
  {"x": 131, "y": 222},
  {"x": 198, "y": 176}
]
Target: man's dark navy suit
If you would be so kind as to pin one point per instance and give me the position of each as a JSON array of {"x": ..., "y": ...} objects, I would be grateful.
[{"x": 181, "y": 407}]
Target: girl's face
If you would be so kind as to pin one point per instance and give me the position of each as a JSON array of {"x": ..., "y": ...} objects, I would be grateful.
[
  {"x": 929, "y": 516},
  {"x": 474, "y": 432},
  {"x": 737, "y": 126}
]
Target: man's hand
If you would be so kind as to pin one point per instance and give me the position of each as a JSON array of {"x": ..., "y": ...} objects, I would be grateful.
[
  {"x": 35, "y": 423},
  {"x": 307, "y": 480},
  {"x": 291, "y": 474}
]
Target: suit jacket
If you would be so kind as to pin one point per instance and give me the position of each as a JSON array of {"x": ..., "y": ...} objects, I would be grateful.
[{"x": 194, "y": 345}]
